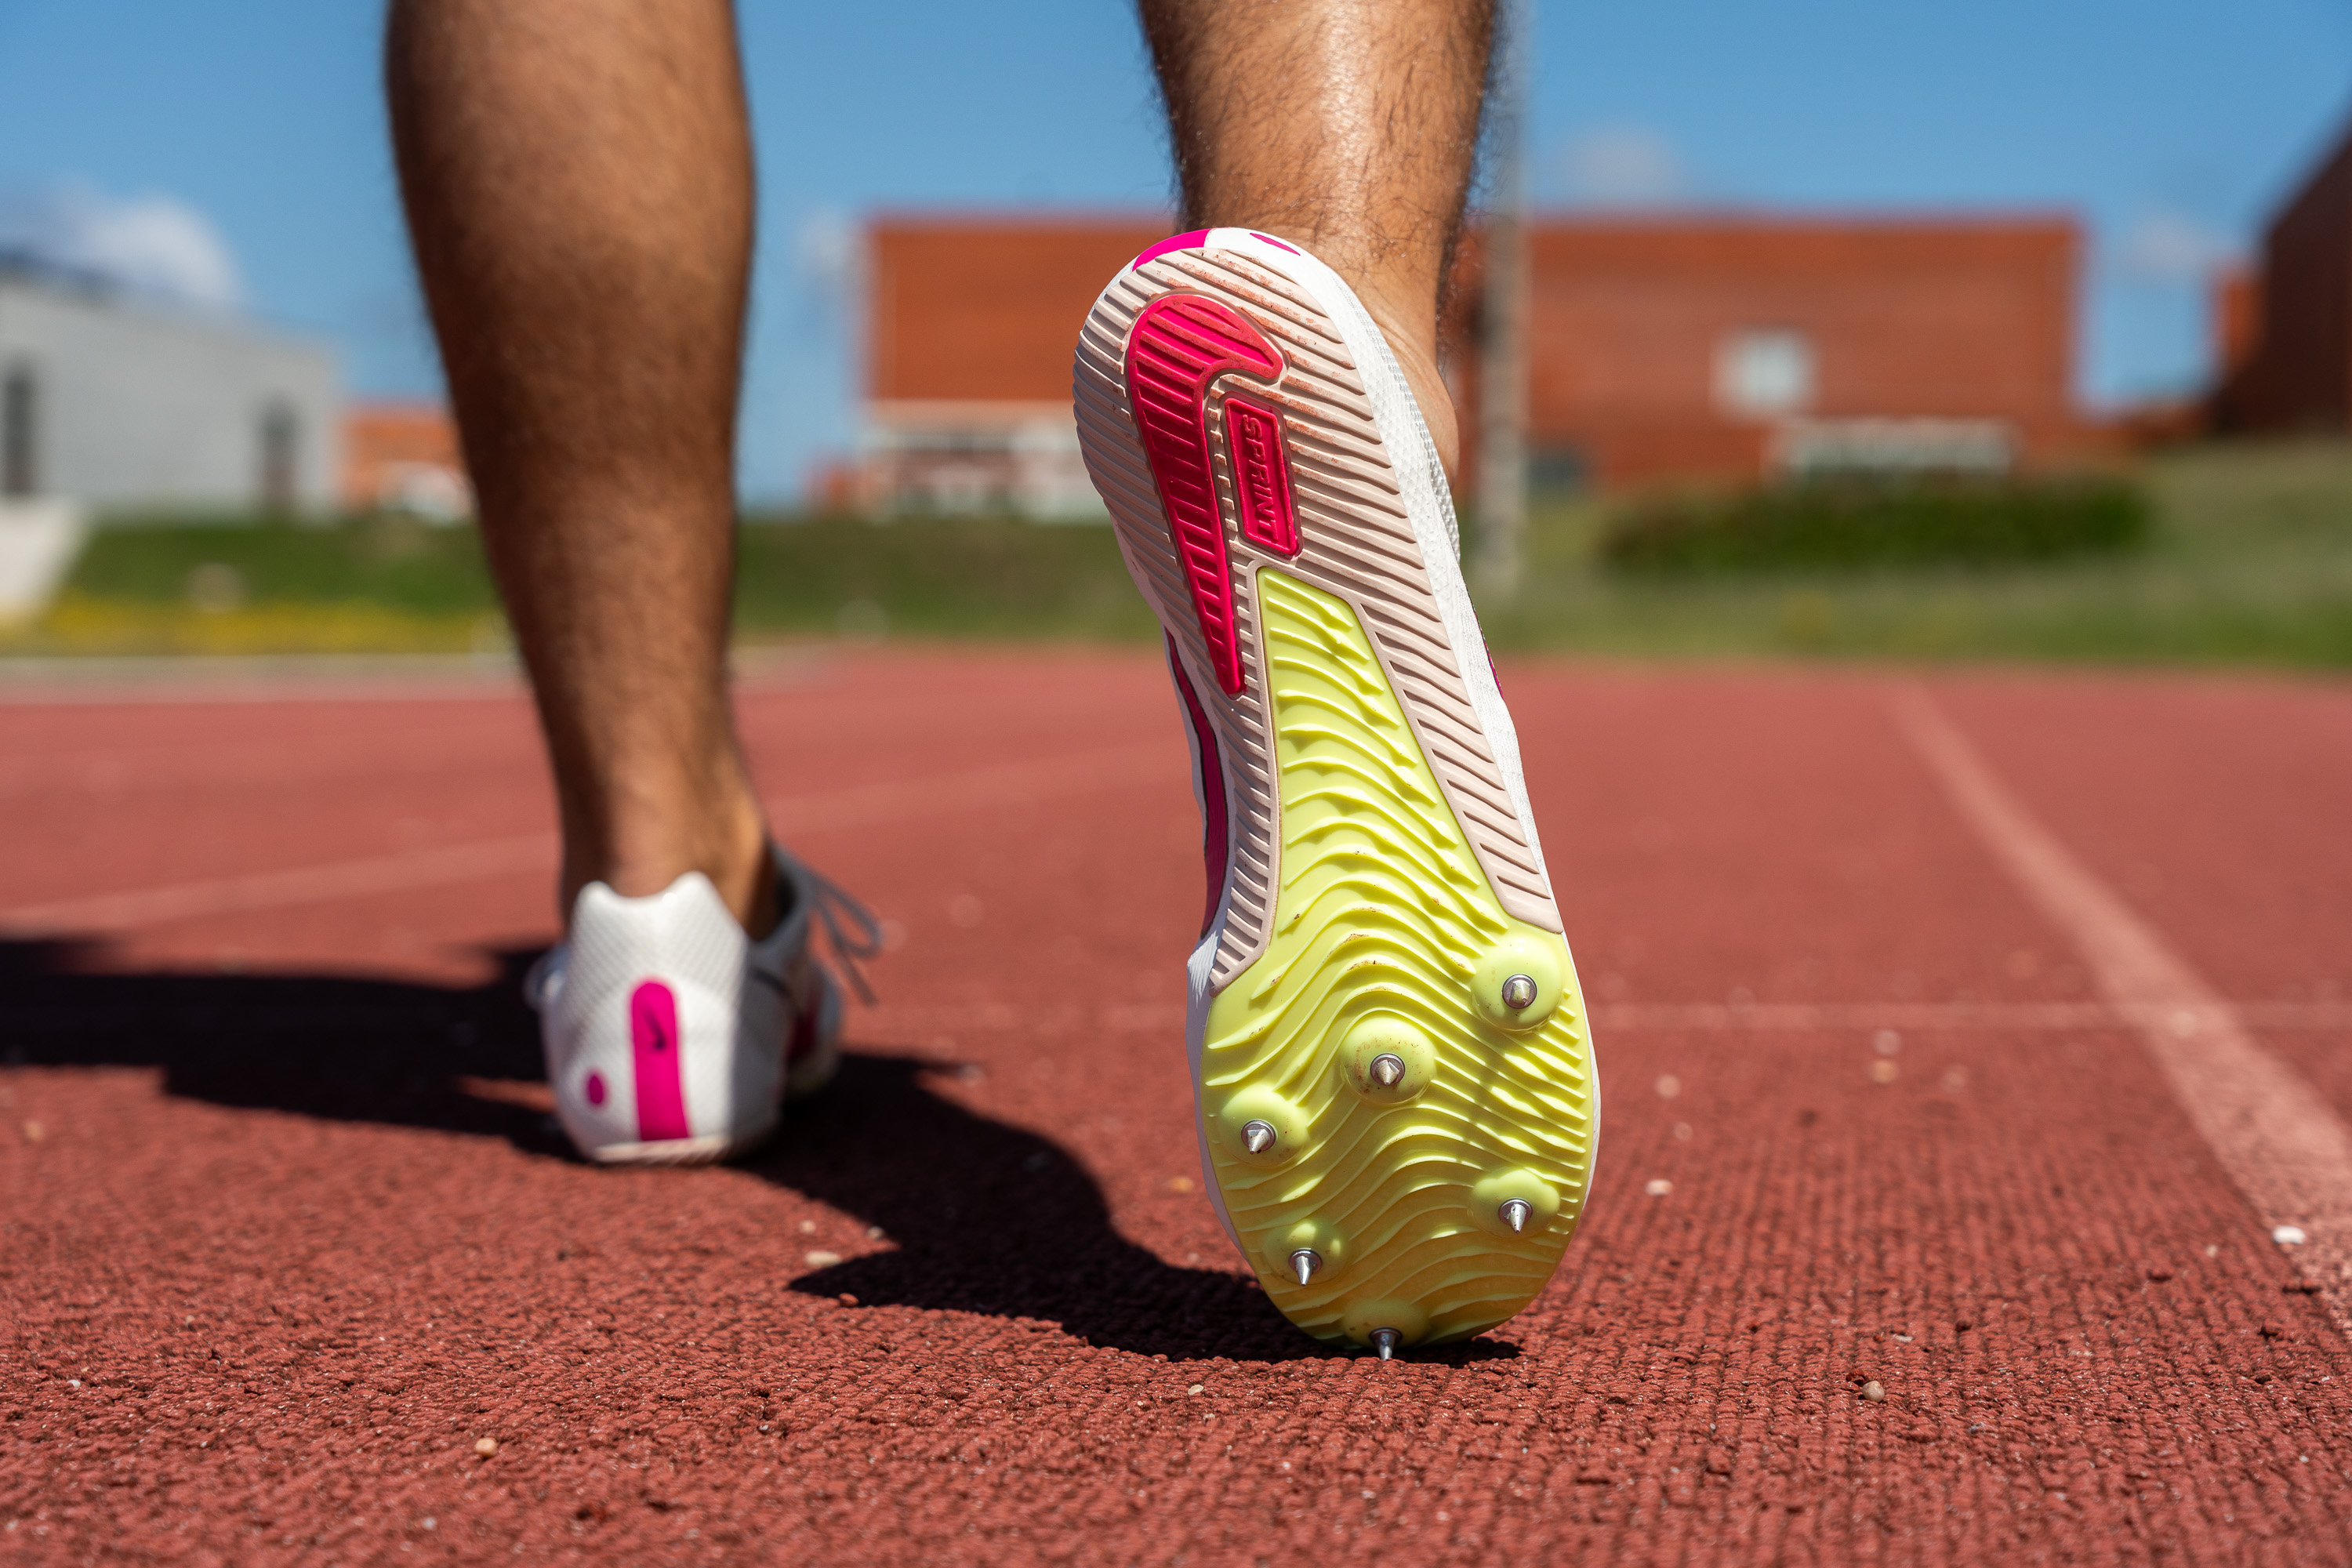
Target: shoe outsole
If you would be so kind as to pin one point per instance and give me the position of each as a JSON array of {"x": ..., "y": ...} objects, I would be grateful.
[{"x": 1381, "y": 882}]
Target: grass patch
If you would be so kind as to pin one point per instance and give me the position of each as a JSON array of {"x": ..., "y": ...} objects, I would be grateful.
[
  {"x": 389, "y": 563},
  {"x": 394, "y": 585},
  {"x": 2245, "y": 558},
  {"x": 232, "y": 585},
  {"x": 79, "y": 623},
  {"x": 952, "y": 577},
  {"x": 1847, "y": 525}
]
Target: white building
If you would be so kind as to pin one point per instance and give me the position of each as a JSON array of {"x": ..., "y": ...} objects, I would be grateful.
[
  {"x": 113, "y": 404},
  {"x": 969, "y": 326},
  {"x": 977, "y": 456}
]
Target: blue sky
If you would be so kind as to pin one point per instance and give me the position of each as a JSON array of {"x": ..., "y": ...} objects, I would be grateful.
[{"x": 237, "y": 146}]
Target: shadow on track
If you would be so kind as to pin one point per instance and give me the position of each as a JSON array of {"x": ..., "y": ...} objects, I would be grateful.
[{"x": 986, "y": 1218}]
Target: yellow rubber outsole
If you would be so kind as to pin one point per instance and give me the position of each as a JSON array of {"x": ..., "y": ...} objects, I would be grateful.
[{"x": 1386, "y": 941}]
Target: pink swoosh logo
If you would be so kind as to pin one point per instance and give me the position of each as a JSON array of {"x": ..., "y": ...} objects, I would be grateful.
[{"x": 1179, "y": 346}]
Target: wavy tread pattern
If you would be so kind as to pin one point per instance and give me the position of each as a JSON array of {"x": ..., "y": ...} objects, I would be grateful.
[{"x": 1384, "y": 908}]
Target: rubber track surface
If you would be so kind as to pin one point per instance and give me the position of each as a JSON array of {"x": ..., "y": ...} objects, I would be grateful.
[{"x": 284, "y": 1233}]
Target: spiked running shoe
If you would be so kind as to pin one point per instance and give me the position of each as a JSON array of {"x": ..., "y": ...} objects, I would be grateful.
[
  {"x": 672, "y": 1039},
  {"x": 1393, "y": 1076}
]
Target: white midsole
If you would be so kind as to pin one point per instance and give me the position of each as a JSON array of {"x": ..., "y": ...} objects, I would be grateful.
[{"x": 680, "y": 1151}]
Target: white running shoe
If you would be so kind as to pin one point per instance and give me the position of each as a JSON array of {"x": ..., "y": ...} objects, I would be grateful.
[
  {"x": 1393, "y": 1072},
  {"x": 671, "y": 1037}
]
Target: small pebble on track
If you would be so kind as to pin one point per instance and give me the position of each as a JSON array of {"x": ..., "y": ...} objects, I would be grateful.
[
  {"x": 1874, "y": 1392},
  {"x": 487, "y": 1447}
]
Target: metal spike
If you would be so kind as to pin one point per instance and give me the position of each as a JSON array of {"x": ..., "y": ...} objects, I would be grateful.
[
  {"x": 1519, "y": 992},
  {"x": 1257, "y": 1137},
  {"x": 1305, "y": 1260},
  {"x": 1386, "y": 1342},
  {"x": 1514, "y": 1212},
  {"x": 1388, "y": 1069}
]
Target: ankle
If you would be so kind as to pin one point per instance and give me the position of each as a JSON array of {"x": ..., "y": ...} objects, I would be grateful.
[
  {"x": 641, "y": 852},
  {"x": 1416, "y": 355}
]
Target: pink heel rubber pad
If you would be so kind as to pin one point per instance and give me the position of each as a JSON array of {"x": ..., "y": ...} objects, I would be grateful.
[
  {"x": 1184, "y": 241},
  {"x": 653, "y": 1048}
]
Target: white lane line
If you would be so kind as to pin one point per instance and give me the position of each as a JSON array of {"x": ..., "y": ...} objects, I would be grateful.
[
  {"x": 1863, "y": 1018},
  {"x": 1006, "y": 783},
  {"x": 2279, "y": 1140},
  {"x": 1931, "y": 1017},
  {"x": 793, "y": 816},
  {"x": 106, "y": 914},
  {"x": 104, "y": 680}
]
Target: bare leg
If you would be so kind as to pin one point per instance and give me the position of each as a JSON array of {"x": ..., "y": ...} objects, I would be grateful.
[
  {"x": 1351, "y": 126},
  {"x": 578, "y": 179}
]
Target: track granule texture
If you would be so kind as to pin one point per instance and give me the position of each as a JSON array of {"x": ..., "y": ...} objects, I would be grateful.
[{"x": 293, "y": 1270}]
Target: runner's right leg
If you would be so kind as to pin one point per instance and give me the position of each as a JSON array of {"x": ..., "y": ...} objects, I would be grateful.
[{"x": 1394, "y": 1079}]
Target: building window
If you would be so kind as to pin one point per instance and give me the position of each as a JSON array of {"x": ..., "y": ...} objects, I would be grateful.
[
  {"x": 281, "y": 435},
  {"x": 20, "y": 428},
  {"x": 1764, "y": 373}
]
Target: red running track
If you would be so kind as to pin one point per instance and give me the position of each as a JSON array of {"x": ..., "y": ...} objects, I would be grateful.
[{"x": 284, "y": 1233}]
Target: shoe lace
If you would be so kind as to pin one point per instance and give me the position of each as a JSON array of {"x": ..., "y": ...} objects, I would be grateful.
[
  {"x": 544, "y": 978},
  {"x": 834, "y": 907}
]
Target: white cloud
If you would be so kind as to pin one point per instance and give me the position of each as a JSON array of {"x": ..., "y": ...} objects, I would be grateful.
[
  {"x": 828, "y": 250},
  {"x": 2170, "y": 246},
  {"x": 154, "y": 245},
  {"x": 1623, "y": 166}
]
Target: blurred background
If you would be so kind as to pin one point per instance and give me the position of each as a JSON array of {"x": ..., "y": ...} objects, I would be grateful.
[{"x": 1986, "y": 330}]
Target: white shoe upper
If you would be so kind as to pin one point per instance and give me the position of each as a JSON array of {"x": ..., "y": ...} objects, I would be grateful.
[{"x": 670, "y": 1036}]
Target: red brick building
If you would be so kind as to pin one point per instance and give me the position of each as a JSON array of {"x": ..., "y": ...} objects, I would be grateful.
[
  {"x": 1723, "y": 348},
  {"x": 969, "y": 326},
  {"x": 2286, "y": 336},
  {"x": 404, "y": 457},
  {"x": 1661, "y": 349}
]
